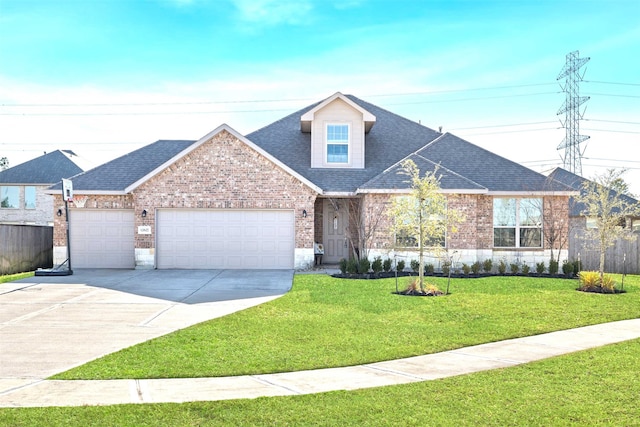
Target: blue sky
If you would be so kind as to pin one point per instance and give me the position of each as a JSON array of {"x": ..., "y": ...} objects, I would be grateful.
[{"x": 106, "y": 77}]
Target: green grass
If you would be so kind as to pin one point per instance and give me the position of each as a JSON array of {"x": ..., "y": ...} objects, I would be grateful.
[
  {"x": 327, "y": 322},
  {"x": 12, "y": 277},
  {"x": 596, "y": 387}
]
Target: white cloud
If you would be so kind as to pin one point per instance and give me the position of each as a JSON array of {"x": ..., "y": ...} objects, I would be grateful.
[{"x": 274, "y": 12}]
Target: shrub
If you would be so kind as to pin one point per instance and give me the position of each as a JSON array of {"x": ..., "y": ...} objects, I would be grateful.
[
  {"x": 608, "y": 283},
  {"x": 487, "y": 265},
  {"x": 386, "y": 265},
  {"x": 540, "y": 267},
  {"x": 363, "y": 266},
  {"x": 567, "y": 267},
  {"x": 514, "y": 268},
  {"x": 525, "y": 268},
  {"x": 352, "y": 266},
  {"x": 415, "y": 265},
  {"x": 589, "y": 279},
  {"x": 590, "y": 282},
  {"x": 577, "y": 267},
  {"x": 413, "y": 288},
  {"x": 400, "y": 265},
  {"x": 502, "y": 267},
  {"x": 466, "y": 269},
  {"x": 446, "y": 268},
  {"x": 429, "y": 269},
  {"x": 475, "y": 267},
  {"x": 553, "y": 267},
  {"x": 376, "y": 265},
  {"x": 343, "y": 266}
]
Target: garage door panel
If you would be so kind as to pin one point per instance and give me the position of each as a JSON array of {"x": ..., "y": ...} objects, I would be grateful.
[
  {"x": 225, "y": 239},
  {"x": 102, "y": 238}
]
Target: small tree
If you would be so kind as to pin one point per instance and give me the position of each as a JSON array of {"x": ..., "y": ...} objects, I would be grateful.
[
  {"x": 364, "y": 221},
  {"x": 609, "y": 209},
  {"x": 423, "y": 216},
  {"x": 4, "y": 163}
]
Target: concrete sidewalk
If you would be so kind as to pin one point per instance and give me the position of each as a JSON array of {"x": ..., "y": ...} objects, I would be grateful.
[{"x": 421, "y": 368}]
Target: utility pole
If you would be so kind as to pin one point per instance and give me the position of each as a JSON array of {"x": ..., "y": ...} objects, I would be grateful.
[{"x": 572, "y": 158}]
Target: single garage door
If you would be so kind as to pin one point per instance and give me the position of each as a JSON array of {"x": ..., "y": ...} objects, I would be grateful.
[
  {"x": 216, "y": 239},
  {"x": 102, "y": 238}
]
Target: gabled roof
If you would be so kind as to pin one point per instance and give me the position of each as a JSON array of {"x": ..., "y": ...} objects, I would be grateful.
[
  {"x": 395, "y": 180},
  {"x": 393, "y": 139},
  {"x": 389, "y": 141},
  {"x": 306, "y": 119},
  {"x": 46, "y": 170},
  {"x": 496, "y": 173},
  {"x": 126, "y": 173},
  {"x": 115, "y": 176},
  {"x": 577, "y": 183}
]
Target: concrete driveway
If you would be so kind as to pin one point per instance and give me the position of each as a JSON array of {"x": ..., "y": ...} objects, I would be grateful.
[{"x": 51, "y": 324}]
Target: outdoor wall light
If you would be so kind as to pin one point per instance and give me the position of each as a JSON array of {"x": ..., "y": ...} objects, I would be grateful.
[
  {"x": 59, "y": 213},
  {"x": 144, "y": 213},
  {"x": 304, "y": 213}
]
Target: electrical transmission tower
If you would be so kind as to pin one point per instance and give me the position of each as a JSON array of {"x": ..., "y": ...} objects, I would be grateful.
[{"x": 571, "y": 108}]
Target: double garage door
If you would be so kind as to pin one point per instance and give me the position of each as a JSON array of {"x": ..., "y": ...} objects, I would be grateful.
[
  {"x": 186, "y": 239},
  {"x": 216, "y": 239}
]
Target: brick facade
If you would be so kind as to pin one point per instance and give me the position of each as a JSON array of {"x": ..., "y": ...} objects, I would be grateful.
[
  {"x": 474, "y": 236},
  {"x": 222, "y": 173}
]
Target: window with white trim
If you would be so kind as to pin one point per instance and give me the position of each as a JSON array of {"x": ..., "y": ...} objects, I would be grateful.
[
  {"x": 517, "y": 223},
  {"x": 338, "y": 143}
]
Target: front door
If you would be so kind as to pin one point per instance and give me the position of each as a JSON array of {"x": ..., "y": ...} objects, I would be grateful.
[{"x": 336, "y": 219}]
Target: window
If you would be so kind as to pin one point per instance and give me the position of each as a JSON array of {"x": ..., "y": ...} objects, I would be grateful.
[
  {"x": 10, "y": 197},
  {"x": 29, "y": 197},
  {"x": 517, "y": 223},
  {"x": 337, "y": 143}
]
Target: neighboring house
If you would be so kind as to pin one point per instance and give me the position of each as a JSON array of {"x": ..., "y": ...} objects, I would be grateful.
[
  {"x": 262, "y": 200},
  {"x": 23, "y": 197},
  {"x": 624, "y": 251}
]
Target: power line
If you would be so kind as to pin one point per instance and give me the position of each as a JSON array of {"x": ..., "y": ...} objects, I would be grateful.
[{"x": 611, "y": 83}]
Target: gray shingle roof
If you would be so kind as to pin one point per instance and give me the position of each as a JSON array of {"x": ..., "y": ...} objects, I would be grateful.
[
  {"x": 120, "y": 173},
  {"x": 394, "y": 178},
  {"x": 391, "y": 139},
  {"x": 485, "y": 168},
  {"x": 463, "y": 166},
  {"x": 47, "y": 169},
  {"x": 577, "y": 182}
]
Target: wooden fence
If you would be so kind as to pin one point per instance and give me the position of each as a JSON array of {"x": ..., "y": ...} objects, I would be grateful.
[
  {"x": 25, "y": 248},
  {"x": 623, "y": 257}
]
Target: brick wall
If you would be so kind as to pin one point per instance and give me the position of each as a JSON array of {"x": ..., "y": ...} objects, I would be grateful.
[
  {"x": 225, "y": 173},
  {"x": 474, "y": 237}
]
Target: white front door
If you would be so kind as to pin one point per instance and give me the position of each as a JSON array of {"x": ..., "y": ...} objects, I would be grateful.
[{"x": 336, "y": 219}]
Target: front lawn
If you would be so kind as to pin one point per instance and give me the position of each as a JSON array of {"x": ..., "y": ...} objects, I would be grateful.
[
  {"x": 596, "y": 387},
  {"x": 327, "y": 322}
]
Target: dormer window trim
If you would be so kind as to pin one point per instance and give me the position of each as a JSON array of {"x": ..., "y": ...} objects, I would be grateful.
[{"x": 335, "y": 140}]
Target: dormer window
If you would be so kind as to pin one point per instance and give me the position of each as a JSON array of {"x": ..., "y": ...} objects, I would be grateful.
[{"x": 338, "y": 143}]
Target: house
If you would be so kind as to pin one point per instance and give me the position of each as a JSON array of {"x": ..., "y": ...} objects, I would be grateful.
[
  {"x": 23, "y": 197},
  {"x": 623, "y": 256},
  {"x": 261, "y": 200}
]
